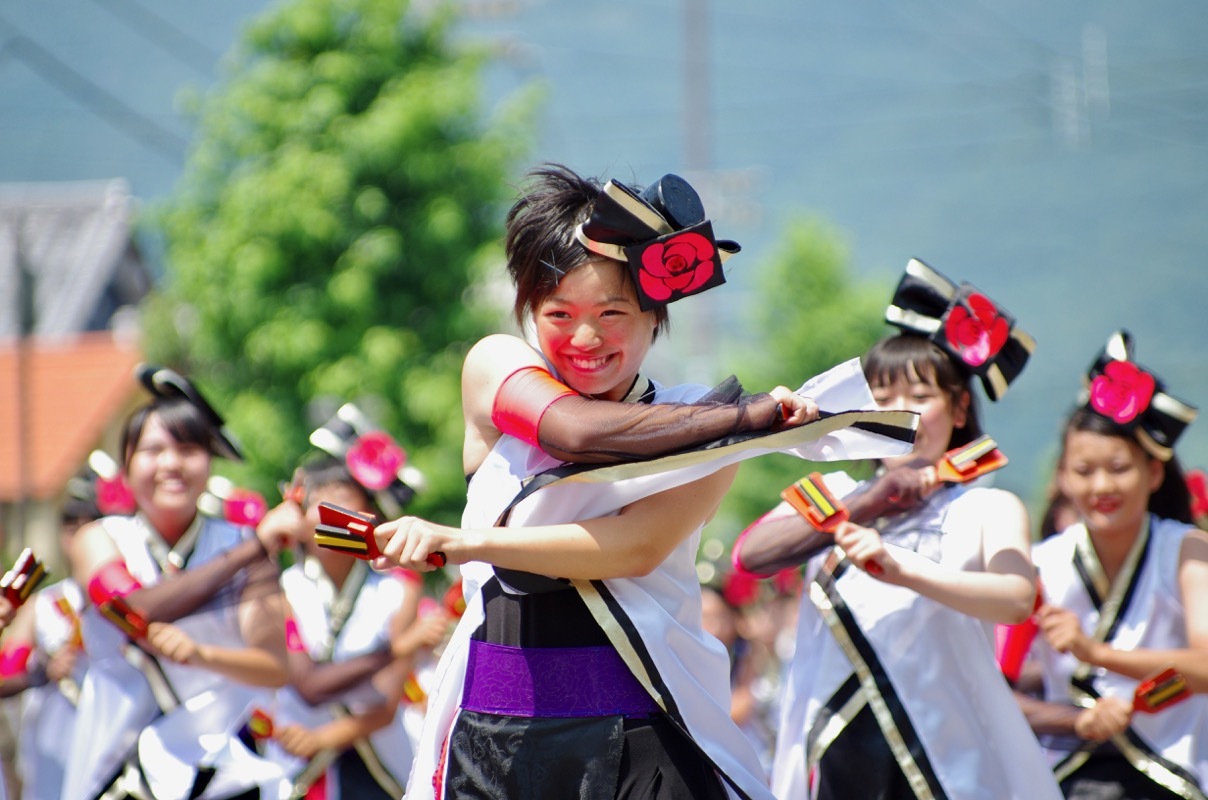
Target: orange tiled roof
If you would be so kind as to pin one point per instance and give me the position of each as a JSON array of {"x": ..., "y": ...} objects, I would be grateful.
[{"x": 74, "y": 389}]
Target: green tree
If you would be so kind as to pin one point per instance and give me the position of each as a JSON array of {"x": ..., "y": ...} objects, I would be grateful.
[
  {"x": 808, "y": 314},
  {"x": 345, "y": 192}
]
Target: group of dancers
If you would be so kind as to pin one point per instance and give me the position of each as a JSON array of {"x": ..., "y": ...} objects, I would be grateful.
[{"x": 579, "y": 664}]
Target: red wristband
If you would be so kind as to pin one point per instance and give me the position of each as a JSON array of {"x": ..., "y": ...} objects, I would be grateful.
[
  {"x": 13, "y": 658},
  {"x": 111, "y": 579},
  {"x": 293, "y": 637},
  {"x": 522, "y": 400},
  {"x": 736, "y": 552}
]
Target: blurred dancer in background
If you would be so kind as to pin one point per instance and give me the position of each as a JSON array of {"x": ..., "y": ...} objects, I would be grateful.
[{"x": 1125, "y": 596}]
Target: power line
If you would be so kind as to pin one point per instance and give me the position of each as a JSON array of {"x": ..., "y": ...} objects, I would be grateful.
[
  {"x": 176, "y": 42},
  {"x": 97, "y": 99}
]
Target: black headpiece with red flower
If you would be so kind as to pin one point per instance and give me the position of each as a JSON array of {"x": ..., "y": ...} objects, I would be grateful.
[
  {"x": 170, "y": 385},
  {"x": 964, "y": 322},
  {"x": 374, "y": 459},
  {"x": 662, "y": 234},
  {"x": 1135, "y": 399}
]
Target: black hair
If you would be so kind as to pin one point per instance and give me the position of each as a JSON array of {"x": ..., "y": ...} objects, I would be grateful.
[
  {"x": 186, "y": 422},
  {"x": 912, "y": 357},
  {"x": 540, "y": 244},
  {"x": 1171, "y": 500},
  {"x": 78, "y": 510},
  {"x": 327, "y": 470}
]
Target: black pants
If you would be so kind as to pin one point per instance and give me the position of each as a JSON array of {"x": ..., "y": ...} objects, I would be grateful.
[{"x": 606, "y": 758}]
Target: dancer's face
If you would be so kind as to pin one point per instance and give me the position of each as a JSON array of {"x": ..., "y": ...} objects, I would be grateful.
[
  {"x": 938, "y": 414},
  {"x": 337, "y": 494},
  {"x": 167, "y": 476},
  {"x": 593, "y": 331},
  {"x": 1108, "y": 479}
]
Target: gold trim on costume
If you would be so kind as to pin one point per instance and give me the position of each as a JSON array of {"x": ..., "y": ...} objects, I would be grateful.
[
  {"x": 1173, "y": 407},
  {"x": 944, "y": 287},
  {"x": 1025, "y": 339},
  {"x": 997, "y": 380},
  {"x": 616, "y": 635},
  {"x": 617, "y": 252},
  {"x": 1149, "y": 444},
  {"x": 790, "y": 437},
  {"x": 868, "y": 687},
  {"x": 1114, "y": 597},
  {"x": 639, "y": 210},
  {"x": 376, "y": 768},
  {"x": 834, "y": 726},
  {"x": 1090, "y": 560},
  {"x": 896, "y": 315},
  {"x": 1142, "y": 761}
]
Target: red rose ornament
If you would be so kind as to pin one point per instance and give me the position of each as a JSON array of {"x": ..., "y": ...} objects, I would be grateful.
[
  {"x": 375, "y": 459},
  {"x": 680, "y": 264},
  {"x": 113, "y": 496},
  {"x": 244, "y": 507},
  {"x": 1122, "y": 392},
  {"x": 978, "y": 336}
]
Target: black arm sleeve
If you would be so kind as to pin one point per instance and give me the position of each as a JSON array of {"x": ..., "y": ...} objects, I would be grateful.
[
  {"x": 586, "y": 431},
  {"x": 319, "y": 683},
  {"x": 773, "y": 544},
  {"x": 183, "y": 593}
]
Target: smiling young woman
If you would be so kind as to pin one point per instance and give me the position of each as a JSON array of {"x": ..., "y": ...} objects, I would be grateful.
[
  {"x": 1126, "y": 595},
  {"x": 561, "y": 668},
  {"x": 892, "y": 691},
  {"x": 203, "y": 636}
]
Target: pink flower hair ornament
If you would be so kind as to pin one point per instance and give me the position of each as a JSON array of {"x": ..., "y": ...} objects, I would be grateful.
[{"x": 1134, "y": 398}]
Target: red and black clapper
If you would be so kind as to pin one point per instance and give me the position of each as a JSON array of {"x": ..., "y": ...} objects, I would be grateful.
[
  {"x": 963, "y": 464},
  {"x": 351, "y": 532},
  {"x": 119, "y": 611},
  {"x": 260, "y": 725},
  {"x": 1160, "y": 691},
  {"x": 23, "y": 578},
  {"x": 814, "y": 501}
]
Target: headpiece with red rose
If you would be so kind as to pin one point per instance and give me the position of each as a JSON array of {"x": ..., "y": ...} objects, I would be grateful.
[
  {"x": 662, "y": 234},
  {"x": 964, "y": 322},
  {"x": 1134, "y": 398},
  {"x": 374, "y": 459}
]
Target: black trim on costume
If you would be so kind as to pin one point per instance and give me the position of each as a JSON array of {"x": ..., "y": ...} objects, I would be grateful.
[
  {"x": 201, "y": 780},
  {"x": 885, "y": 687},
  {"x": 1133, "y": 739},
  {"x": 846, "y": 691},
  {"x": 879, "y": 428},
  {"x": 543, "y": 479},
  {"x": 639, "y": 646},
  {"x": 1131, "y": 590},
  {"x": 1088, "y": 582}
]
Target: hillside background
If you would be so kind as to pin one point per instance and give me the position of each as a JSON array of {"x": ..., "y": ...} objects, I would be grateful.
[{"x": 1056, "y": 156}]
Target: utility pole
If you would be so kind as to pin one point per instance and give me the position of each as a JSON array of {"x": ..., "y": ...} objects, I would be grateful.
[
  {"x": 698, "y": 143},
  {"x": 25, "y": 326},
  {"x": 698, "y": 163},
  {"x": 12, "y": 258}
]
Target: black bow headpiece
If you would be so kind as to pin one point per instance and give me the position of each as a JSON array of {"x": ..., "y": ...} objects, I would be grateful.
[
  {"x": 963, "y": 322},
  {"x": 169, "y": 385},
  {"x": 662, "y": 234},
  {"x": 374, "y": 459},
  {"x": 1135, "y": 399}
]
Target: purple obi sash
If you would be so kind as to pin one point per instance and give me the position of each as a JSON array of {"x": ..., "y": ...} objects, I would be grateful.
[{"x": 552, "y": 682}]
